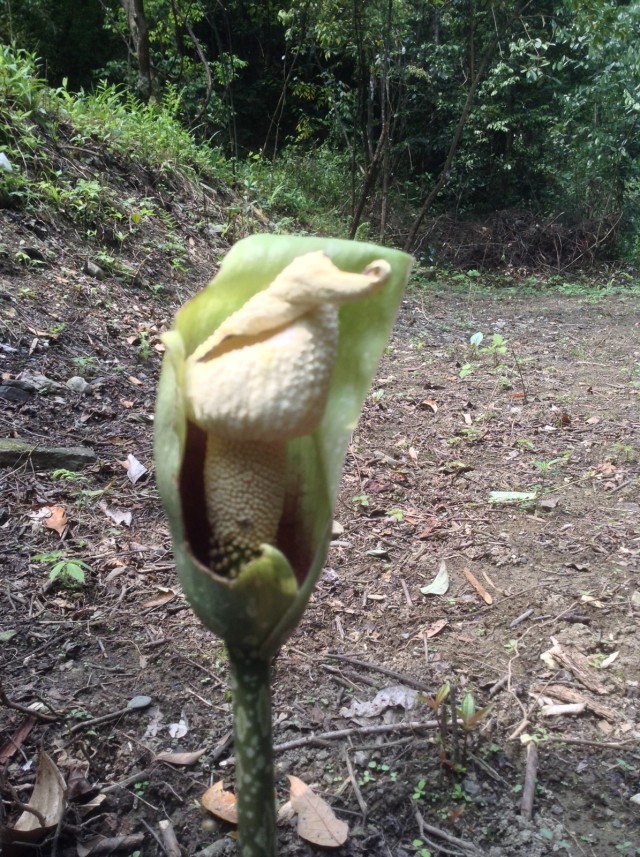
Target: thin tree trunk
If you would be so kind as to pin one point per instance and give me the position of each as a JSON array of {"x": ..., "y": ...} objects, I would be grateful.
[
  {"x": 139, "y": 30},
  {"x": 207, "y": 71},
  {"x": 369, "y": 179},
  {"x": 443, "y": 177}
]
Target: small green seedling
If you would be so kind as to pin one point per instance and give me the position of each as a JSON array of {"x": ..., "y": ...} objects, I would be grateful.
[
  {"x": 421, "y": 851},
  {"x": 469, "y": 714},
  {"x": 70, "y": 572},
  {"x": 362, "y": 500},
  {"x": 68, "y": 476},
  {"x": 420, "y": 790},
  {"x": 496, "y": 349}
]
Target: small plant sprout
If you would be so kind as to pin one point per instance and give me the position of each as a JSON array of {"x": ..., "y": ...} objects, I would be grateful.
[
  {"x": 496, "y": 348},
  {"x": 421, "y": 849},
  {"x": 420, "y": 790},
  {"x": 264, "y": 377},
  {"x": 69, "y": 572}
]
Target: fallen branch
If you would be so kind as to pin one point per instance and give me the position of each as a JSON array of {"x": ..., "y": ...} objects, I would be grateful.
[
  {"x": 405, "y": 679},
  {"x": 4, "y": 699},
  {"x": 467, "y": 848},
  {"x": 324, "y": 737},
  {"x": 530, "y": 778}
]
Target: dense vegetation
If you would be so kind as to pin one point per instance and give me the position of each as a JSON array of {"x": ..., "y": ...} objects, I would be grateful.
[{"x": 494, "y": 132}]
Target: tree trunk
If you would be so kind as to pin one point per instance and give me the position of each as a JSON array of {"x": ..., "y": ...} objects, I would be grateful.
[
  {"x": 445, "y": 172},
  {"x": 139, "y": 30}
]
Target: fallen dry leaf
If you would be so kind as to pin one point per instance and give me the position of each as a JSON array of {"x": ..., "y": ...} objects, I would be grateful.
[
  {"x": 181, "y": 758},
  {"x": 57, "y": 520},
  {"x": 17, "y": 739},
  {"x": 135, "y": 469},
  {"x": 429, "y": 403},
  {"x": 48, "y": 798},
  {"x": 440, "y": 584},
  {"x": 435, "y": 628},
  {"x": 220, "y": 803},
  {"x": 165, "y": 598},
  {"x": 53, "y": 517},
  {"x": 317, "y": 822},
  {"x": 117, "y": 515}
]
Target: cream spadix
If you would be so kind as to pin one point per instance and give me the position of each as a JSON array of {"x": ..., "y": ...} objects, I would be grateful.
[{"x": 259, "y": 381}]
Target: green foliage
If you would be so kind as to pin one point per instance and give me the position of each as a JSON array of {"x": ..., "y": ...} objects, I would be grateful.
[
  {"x": 298, "y": 96},
  {"x": 69, "y": 572}
]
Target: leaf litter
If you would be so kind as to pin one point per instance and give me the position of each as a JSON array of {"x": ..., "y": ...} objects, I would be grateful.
[{"x": 568, "y": 567}]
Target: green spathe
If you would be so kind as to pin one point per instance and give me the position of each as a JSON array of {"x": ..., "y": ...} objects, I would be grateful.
[{"x": 257, "y": 609}]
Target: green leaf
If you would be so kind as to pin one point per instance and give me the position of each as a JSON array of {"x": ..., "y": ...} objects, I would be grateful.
[
  {"x": 74, "y": 571},
  {"x": 468, "y": 707},
  {"x": 57, "y": 569},
  {"x": 511, "y": 496},
  {"x": 5, "y": 636}
]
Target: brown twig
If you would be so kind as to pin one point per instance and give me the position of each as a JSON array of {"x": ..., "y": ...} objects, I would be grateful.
[
  {"x": 324, "y": 737},
  {"x": 530, "y": 778},
  {"x": 169, "y": 839},
  {"x": 24, "y": 807},
  {"x": 405, "y": 679},
  {"x": 46, "y": 718},
  {"x": 466, "y": 847},
  {"x": 354, "y": 785}
]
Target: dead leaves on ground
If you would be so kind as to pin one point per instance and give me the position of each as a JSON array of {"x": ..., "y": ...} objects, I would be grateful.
[
  {"x": 221, "y": 803},
  {"x": 316, "y": 821},
  {"x": 53, "y": 517},
  {"x": 45, "y": 808}
]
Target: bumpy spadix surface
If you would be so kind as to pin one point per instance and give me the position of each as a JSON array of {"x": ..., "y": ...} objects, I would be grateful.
[
  {"x": 260, "y": 380},
  {"x": 265, "y": 372}
]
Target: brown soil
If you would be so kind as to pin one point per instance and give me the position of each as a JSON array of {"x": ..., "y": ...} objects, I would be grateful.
[{"x": 557, "y": 413}]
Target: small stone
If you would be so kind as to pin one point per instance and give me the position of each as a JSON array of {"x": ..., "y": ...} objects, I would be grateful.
[
  {"x": 15, "y": 392},
  {"x": 93, "y": 270},
  {"x": 336, "y": 529},
  {"x": 78, "y": 384},
  {"x": 635, "y": 598},
  {"x": 471, "y": 787}
]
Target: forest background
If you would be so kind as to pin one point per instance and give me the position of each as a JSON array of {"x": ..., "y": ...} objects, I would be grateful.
[{"x": 475, "y": 133}]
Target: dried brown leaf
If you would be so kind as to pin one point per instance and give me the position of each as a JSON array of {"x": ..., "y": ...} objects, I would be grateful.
[
  {"x": 317, "y": 822},
  {"x": 220, "y": 803},
  {"x": 181, "y": 758}
]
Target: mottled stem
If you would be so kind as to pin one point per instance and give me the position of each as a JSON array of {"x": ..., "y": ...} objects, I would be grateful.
[{"x": 255, "y": 794}]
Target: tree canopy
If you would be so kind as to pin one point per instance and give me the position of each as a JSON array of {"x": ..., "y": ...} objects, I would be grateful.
[{"x": 458, "y": 108}]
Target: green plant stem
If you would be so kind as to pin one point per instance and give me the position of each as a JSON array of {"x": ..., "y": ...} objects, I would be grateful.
[{"x": 251, "y": 689}]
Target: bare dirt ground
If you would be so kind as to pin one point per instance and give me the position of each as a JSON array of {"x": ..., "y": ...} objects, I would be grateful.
[{"x": 550, "y": 410}]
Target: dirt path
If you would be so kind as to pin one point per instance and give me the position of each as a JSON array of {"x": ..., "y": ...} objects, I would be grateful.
[{"x": 549, "y": 409}]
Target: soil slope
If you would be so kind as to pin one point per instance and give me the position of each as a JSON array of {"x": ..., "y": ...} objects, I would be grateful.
[{"x": 548, "y": 408}]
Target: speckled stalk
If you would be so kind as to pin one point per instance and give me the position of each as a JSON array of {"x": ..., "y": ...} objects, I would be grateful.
[{"x": 251, "y": 689}]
